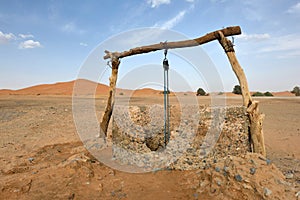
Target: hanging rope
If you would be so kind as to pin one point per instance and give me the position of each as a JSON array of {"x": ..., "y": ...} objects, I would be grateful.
[
  {"x": 108, "y": 64},
  {"x": 166, "y": 99}
]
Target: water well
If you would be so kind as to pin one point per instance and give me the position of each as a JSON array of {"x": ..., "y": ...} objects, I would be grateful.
[{"x": 198, "y": 135}]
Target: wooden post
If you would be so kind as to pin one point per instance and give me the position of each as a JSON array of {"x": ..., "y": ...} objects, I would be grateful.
[
  {"x": 229, "y": 31},
  {"x": 115, "y": 62},
  {"x": 255, "y": 118}
]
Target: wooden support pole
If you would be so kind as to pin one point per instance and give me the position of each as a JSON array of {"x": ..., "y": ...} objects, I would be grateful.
[
  {"x": 115, "y": 62},
  {"x": 255, "y": 118},
  {"x": 229, "y": 31}
]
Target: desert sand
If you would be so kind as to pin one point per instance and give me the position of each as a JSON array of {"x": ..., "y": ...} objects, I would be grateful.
[{"x": 42, "y": 156}]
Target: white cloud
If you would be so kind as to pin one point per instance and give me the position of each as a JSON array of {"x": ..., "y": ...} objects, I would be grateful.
[
  {"x": 295, "y": 8},
  {"x": 284, "y": 46},
  {"x": 169, "y": 24},
  {"x": 157, "y": 3},
  {"x": 285, "y": 43},
  {"x": 140, "y": 37},
  {"x": 190, "y": 1},
  {"x": 6, "y": 37},
  {"x": 72, "y": 28},
  {"x": 290, "y": 54},
  {"x": 29, "y": 44},
  {"x": 83, "y": 44},
  {"x": 254, "y": 37},
  {"x": 69, "y": 27},
  {"x": 174, "y": 21},
  {"x": 25, "y": 36}
]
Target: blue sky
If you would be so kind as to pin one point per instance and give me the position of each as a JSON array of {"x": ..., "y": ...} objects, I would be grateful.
[{"x": 48, "y": 41}]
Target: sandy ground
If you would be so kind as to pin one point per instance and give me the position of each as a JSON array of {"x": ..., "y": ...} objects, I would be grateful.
[{"x": 42, "y": 157}]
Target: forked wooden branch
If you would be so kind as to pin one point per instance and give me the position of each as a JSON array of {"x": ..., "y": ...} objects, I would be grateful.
[
  {"x": 229, "y": 31},
  {"x": 255, "y": 117},
  {"x": 111, "y": 97}
]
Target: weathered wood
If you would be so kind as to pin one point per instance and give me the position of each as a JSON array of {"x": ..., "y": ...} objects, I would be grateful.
[
  {"x": 229, "y": 31},
  {"x": 256, "y": 130},
  {"x": 255, "y": 118},
  {"x": 236, "y": 67},
  {"x": 111, "y": 97}
]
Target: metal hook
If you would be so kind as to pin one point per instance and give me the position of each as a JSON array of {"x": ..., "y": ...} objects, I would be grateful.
[
  {"x": 166, "y": 48},
  {"x": 166, "y": 52}
]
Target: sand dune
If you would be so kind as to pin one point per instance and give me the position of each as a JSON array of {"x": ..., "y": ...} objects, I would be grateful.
[
  {"x": 80, "y": 87},
  {"x": 61, "y": 88},
  {"x": 283, "y": 94},
  {"x": 88, "y": 87}
]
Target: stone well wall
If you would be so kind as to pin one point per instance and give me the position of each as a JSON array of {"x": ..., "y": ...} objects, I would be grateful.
[{"x": 199, "y": 135}]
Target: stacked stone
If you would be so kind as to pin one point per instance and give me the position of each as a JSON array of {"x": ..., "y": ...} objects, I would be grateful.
[{"x": 199, "y": 135}]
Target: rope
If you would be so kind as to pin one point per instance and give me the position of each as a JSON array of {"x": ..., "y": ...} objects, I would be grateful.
[{"x": 166, "y": 99}]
